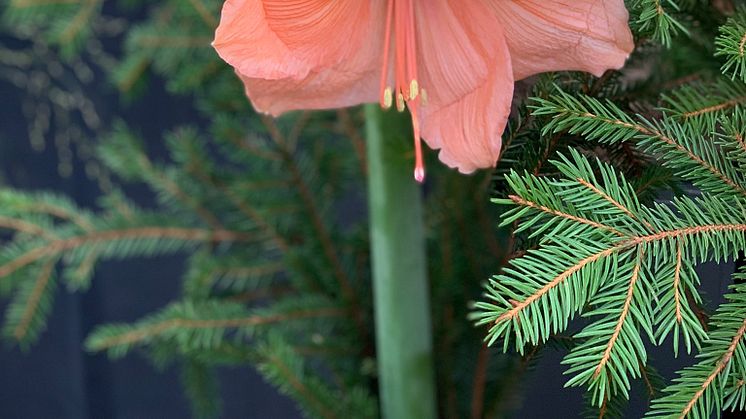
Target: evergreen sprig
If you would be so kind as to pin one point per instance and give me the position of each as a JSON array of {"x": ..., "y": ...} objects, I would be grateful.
[
  {"x": 621, "y": 261},
  {"x": 731, "y": 43},
  {"x": 194, "y": 326},
  {"x": 625, "y": 266},
  {"x": 701, "y": 105},
  {"x": 679, "y": 146},
  {"x": 715, "y": 383},
  {"x": 654, "y": 18}
]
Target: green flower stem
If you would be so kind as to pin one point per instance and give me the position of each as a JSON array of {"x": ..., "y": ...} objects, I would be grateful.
[{"x": 400, "y": 287}]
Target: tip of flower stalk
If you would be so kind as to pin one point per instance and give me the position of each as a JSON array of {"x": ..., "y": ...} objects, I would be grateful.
[{"x": 419, "y": 174}]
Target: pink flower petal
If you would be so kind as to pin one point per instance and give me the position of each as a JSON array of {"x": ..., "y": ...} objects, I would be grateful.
[
  {"x": 303, "y": 54},
  {"x": 467, "y": 74},
  {"x": 323, "y": 89},
  {"x": 554, "y": 35}
]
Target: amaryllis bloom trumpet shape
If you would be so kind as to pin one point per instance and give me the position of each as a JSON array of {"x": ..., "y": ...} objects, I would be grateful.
[{"x": 452, "y": 63}]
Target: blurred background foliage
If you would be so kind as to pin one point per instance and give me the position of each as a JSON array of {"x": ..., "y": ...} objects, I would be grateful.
[{"x": 270, "y": 215}]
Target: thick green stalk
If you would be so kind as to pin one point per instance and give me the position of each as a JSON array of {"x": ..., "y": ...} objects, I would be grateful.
[{"x": 400, "y": 287}]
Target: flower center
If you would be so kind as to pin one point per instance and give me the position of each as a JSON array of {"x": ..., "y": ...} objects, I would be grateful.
[{"x": 400, "y": 21}]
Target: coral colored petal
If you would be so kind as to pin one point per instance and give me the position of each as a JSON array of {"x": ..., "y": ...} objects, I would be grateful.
[
  {"x": 467, "y": 74},
  {"x": 318, "y": 90},
  {"x": 553, "y": 35},
  {"x": 303, "y": 54}
]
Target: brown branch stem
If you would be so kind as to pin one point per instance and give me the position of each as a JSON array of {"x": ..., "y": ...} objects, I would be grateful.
[
  {"x": 619, "y": 246},
  {"x": 159, "y": 328},
  {"x": 724, "y": 361},
  {"x": 58, "y": 246}
]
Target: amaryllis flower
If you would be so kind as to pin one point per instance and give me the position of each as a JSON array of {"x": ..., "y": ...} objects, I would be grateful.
[{"x": 452, "y": 63}]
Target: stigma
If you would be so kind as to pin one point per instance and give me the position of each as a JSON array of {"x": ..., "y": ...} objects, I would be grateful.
[{"x": 406, "y": 92}]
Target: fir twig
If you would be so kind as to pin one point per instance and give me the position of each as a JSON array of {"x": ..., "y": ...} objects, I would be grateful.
[{"x": 59, "y": 246}]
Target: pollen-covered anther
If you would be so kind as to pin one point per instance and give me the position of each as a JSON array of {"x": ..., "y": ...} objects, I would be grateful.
[
  {"x": 388, "y": 98},
  {"x": 400, "y": 102},
  {"x": 414, "y": 90}
]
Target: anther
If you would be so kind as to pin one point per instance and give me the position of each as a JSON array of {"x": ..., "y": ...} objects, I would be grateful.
[
  {"x": 423, "y": 94},
  {"x": 388, "y": 98},
  {"x": 414, "y": 90},
  {"x": 400, "y": 102}
]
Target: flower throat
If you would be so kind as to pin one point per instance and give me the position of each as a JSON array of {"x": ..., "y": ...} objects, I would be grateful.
[{"x": 400, "y": 21}]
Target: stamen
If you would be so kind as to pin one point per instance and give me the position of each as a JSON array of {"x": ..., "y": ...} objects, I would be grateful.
[
  {"x": 411, "y": 46},
  {"x": 400, "y": 25},
  {"x": 401, "y": 43},
  {"x": 386, "y": 47}
]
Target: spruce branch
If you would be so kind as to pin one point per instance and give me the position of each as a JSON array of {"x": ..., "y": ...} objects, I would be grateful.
[
  {"x": 677, "y": 303},
  {"x": 623, "y": 314},
  {"x": 350, "y": 127},
  {"x": 242, "y": 148},
  {"x": 18, "y": 205},
  {"x": 60, "y": 246},
  {"x": 654, "y": 19},
  {"x": 68, "y": 33},
  {"x": 79, "y": 278},
  {"x": 124, "y": 153},
  {"x": 174, "y": 41},
  {"x": 705, "y": 387},
  {"x": 517, "y": 307},
  {"x": 201, "y": 384},
  {"x": 625, "y": 265},
  {"x": 63, "y": 213},
  {"x": 204, "y": 13},
  {"x": 245, "y": 206},
  {"x": 555, "y": 213},
  {"x": 23, "y": 226},
  {"x": 702, "y": 105},
  {"x": 611, "y": 348},
  {"x": 678, "y": 146},
  {"x": 289, "y": 379},
  {"x": 233, "y": 274},
  {"x": 309, "y": 202},
  {"x": 731, "y": 137},
  {"x": 603, "y": 195},
  {"x": 27, "y": 313},
  {"x": 281, "y": 365},
  {"x": 79, "y": 22},
  {"x": 204, "y": 322},
  {"x": 731, "y": 44}
]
